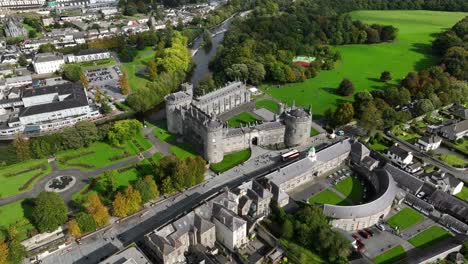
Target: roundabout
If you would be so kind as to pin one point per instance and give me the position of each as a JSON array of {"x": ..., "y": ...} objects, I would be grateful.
[{"x": 60, "y": 183}]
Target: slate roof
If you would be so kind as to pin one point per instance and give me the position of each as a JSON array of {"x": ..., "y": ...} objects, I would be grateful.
[
  {"x": 398, "y": 151},
  {"x": 449, "y": 204},
  {"x": 456, "y": 128},
  {"x": 46, "y": 57},
  {"x": 90, "y": 51},
  {"x": 430, "y": 139},
  {"x": 77, "y": 98},
  {"x": 227, "y": 218},
  {"x": 404, "y": 179}
]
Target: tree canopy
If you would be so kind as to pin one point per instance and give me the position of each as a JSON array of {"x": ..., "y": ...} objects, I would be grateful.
[{"x": 49, "y": 212}]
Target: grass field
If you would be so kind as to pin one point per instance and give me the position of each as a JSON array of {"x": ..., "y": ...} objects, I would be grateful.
[
  {"x": 313, "y": 132},
  {"x": 15, "y": 214},
  {"x": 390, "y": 256},
  {"x": 407, "y": 136},
  {"x": 21, "y": 176},
  {"x": 97, "y": 64},
  {"x": 300, "y": 254},
  {"x": 231, "y": 160},
  {"x": 407, "y": 217},
  {"x": 363, "y": 64},
  {"x": 140, "y": 61},
  {"x": 429, "y": 236},
  {"x": 161, "y": 132},
  {"x": 328, "y": 197},
  {"x": 270, "y": 105},
  {"x": 463, "y": 194},
  {"x": 453, "y": 160},
  {"x": 122, "y": 179},
  {"x": 100, "y": 154},
  {"x": 351, "y": 188},
  {"x": 183, "y": 151},
  {"x": 241, "y": 119}
]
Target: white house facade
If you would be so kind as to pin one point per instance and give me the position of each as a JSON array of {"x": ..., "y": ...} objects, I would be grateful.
[{"x": 48, "y": 62}]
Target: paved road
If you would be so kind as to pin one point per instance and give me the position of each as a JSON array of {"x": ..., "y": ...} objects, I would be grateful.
[
  {"x": 459, "y": 173},
  {"x": 82, "y": 177}
]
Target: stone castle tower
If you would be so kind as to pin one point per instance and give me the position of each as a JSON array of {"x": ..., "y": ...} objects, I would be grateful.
[
  {"x": 298, "y": 123},
  {"x": 174, "y": 104},
  {"x": 213, "y": 140}
]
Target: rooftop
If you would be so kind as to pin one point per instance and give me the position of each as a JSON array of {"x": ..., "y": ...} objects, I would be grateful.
[{"x": 46, "y": 57}]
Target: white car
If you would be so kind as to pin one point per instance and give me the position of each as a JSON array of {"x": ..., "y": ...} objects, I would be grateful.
[{"x": 380, "y": 226}]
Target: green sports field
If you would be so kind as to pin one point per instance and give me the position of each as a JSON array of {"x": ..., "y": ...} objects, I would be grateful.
[
  {"x": 363, "y": 64},
  {"x": 407, "y": 217}
]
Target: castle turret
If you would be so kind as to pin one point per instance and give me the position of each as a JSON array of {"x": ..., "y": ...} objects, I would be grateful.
[
  {"x": 298, "y": 123},
  {"x": 174, "y": 103},
  {"x": 213, "y": 143}
]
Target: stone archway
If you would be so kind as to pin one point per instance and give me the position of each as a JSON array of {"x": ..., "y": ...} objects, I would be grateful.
[{"x": 255, "y": 141}]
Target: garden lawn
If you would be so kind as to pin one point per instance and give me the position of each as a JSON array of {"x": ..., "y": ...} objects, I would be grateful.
[
  {"x": 463, "y": 146},
  {"x": 453, "y": 160},
  {"x": 463, "y": 194},
  {"x": 15, "y": 214},
  {"x": 300, "y": 254},
  {"x": 328, "y": 197},
  {"x": 363, "y": 64},
  {"x": 390, "y": 256},
  {"x": 183, "y": 151},
  {"x": 15, "y": 176},
  {"x": 313, "y": 132},
  {"x": 231, "y": 160},
  {"x": 97, "y": 64},
  {"x": 407, "y": 217},
  {"x": 161, "y": 132},
  {"x": 140, "y": 61},
  {"x": 429, "y": 236},
  {"x": 270, "y": 105},
  {"x": 241, "y": 119},
  {"x": 351, "y": 188},
  {"x": 407, "y": 136},
  {"x": 100, "y": 154}
]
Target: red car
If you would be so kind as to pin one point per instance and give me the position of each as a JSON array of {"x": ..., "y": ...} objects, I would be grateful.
[{"x": 364, "y": 234}]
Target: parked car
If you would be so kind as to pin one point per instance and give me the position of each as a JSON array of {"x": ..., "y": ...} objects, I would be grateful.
[
  {"x": 380, "y": 227},
  {"x": 369, "y": 232},
  {"x": 364, "y": 234}
]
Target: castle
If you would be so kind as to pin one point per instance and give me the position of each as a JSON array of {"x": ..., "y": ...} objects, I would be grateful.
[{"x": 195, "y": 118}]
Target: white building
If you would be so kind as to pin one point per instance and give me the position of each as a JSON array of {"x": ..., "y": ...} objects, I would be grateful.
[
  {"x": 89, "y": 55},
  {"x": 427, "y": 143},
  {"x": 400, "y": 156},
  {"x": 48, "y": 62}
]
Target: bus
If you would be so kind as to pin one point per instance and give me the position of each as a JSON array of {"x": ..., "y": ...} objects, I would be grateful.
[{"x": 290, "y": 155}]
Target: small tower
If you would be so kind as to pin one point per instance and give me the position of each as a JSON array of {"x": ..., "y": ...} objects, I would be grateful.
[
  {"x": 298, "y": 123},
  {"x": 213, "y": 141},
  {"x": 175, "y": 102}
]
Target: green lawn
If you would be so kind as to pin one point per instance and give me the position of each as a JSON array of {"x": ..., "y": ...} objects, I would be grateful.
[
  {"x": 231, "y": 160},
  {"x": 123, "y": 178},
  {"x": 429, "y": 236},
  {"x": 407, "y": 136},
  {"x": 351, "y": 188},
  {"x": 328, "y": 197},
  {"x": 453, "y": 160},
  {"x": 140, "y": 61},
  {"x": 390, "y": 256},
  {"x": 363, "y": 64},
  {"x": 161, "y": 132},
  {"x": 463, "y": 194},
  {"x": 97, "y": 64},
  {"x": 241, "y": 119},
  {"x": 100, "y": 154},
  {"x": 407, "y": 217},
  {"x": 463, "y": 146},
  {"x": 21, "y": 176},
  {"x": 313, "y": 132},
  {"x": 15, "y": 214},
  {"x": 270, "y": 105},
  {"x": 300, "y": 254},
  {"x": 183, "y": 151}
]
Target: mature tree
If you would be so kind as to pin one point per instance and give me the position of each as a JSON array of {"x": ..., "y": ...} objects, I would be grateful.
[
  {"x": 385, "y": 76},
  {"x": 152, "y": 70},
  {"x": 124, "y": 130},
  {"x": 133, "y": 198},
  {"x": 361, "y": 100},
  {"x": 424, "y": 106},
  {"x": 287, "y": 229},
  {"x": 48, "y": 47},
  {"x": 344, "y": 114},
  {"x": 372, "y": 36},
  {"x": 371, "y": 118},
  {"x": 110, "y": 183},
  {"x": 147, "y": 188},
  {"x": 456, "y": 61},
  {"x": 97, "y": 210},
  {"x": 85, "y": 222},
  {"x": 119, "y": 205},
  {"x": 346, "y": 88},
  {"x": 72, "y": 72},
  {"x": 207, "y": 40},
  {"x": 238, "y": 72},
  {"x": 88, "y": 132},
  {"x": 4, "y": 252},
  {"x": 49, "y": 212},
  {"x": 22, "y": 61},
  {"x": 205, "y": 85},
  {"x": 388, "y": 33},
  {"x": 71, "y": 139},
  {"x": 73, "y": 228},
  {"x": 84, "y": 80},
  {"x": 21, "y": 144},
  {"x": 123, "y": 83},
  {"x": 167, "y": 186},
  {"x": 256, "y": 72},
  {"x": 106, "y": 108},
  {"x": 17, "y": 252}
]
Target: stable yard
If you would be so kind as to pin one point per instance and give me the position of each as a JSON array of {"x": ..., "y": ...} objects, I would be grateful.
[
  {"x": 231, "y": 160},
  {"x": 429, "y": 236},
  {"x": 407, "y": 217},
  {"x": 390, "y": 256},
  {"x": 352, "y": 188},
  {"x": 270, "y": 105},
  {"x": 15, "y": 214},
  {"x": 363, "y": 63},
  {"x": 21, "y": 177},
  {"x": 242, "y": 119},
  {"x": 328, "y": 197},
  {"x": 101, "y": 154}
]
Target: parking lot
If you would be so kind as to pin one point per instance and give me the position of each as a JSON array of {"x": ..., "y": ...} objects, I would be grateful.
[{"x": 107, "y": 78}]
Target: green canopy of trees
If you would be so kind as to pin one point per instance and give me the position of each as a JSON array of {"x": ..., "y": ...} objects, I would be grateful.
[{"x": 49, "y": 212}]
